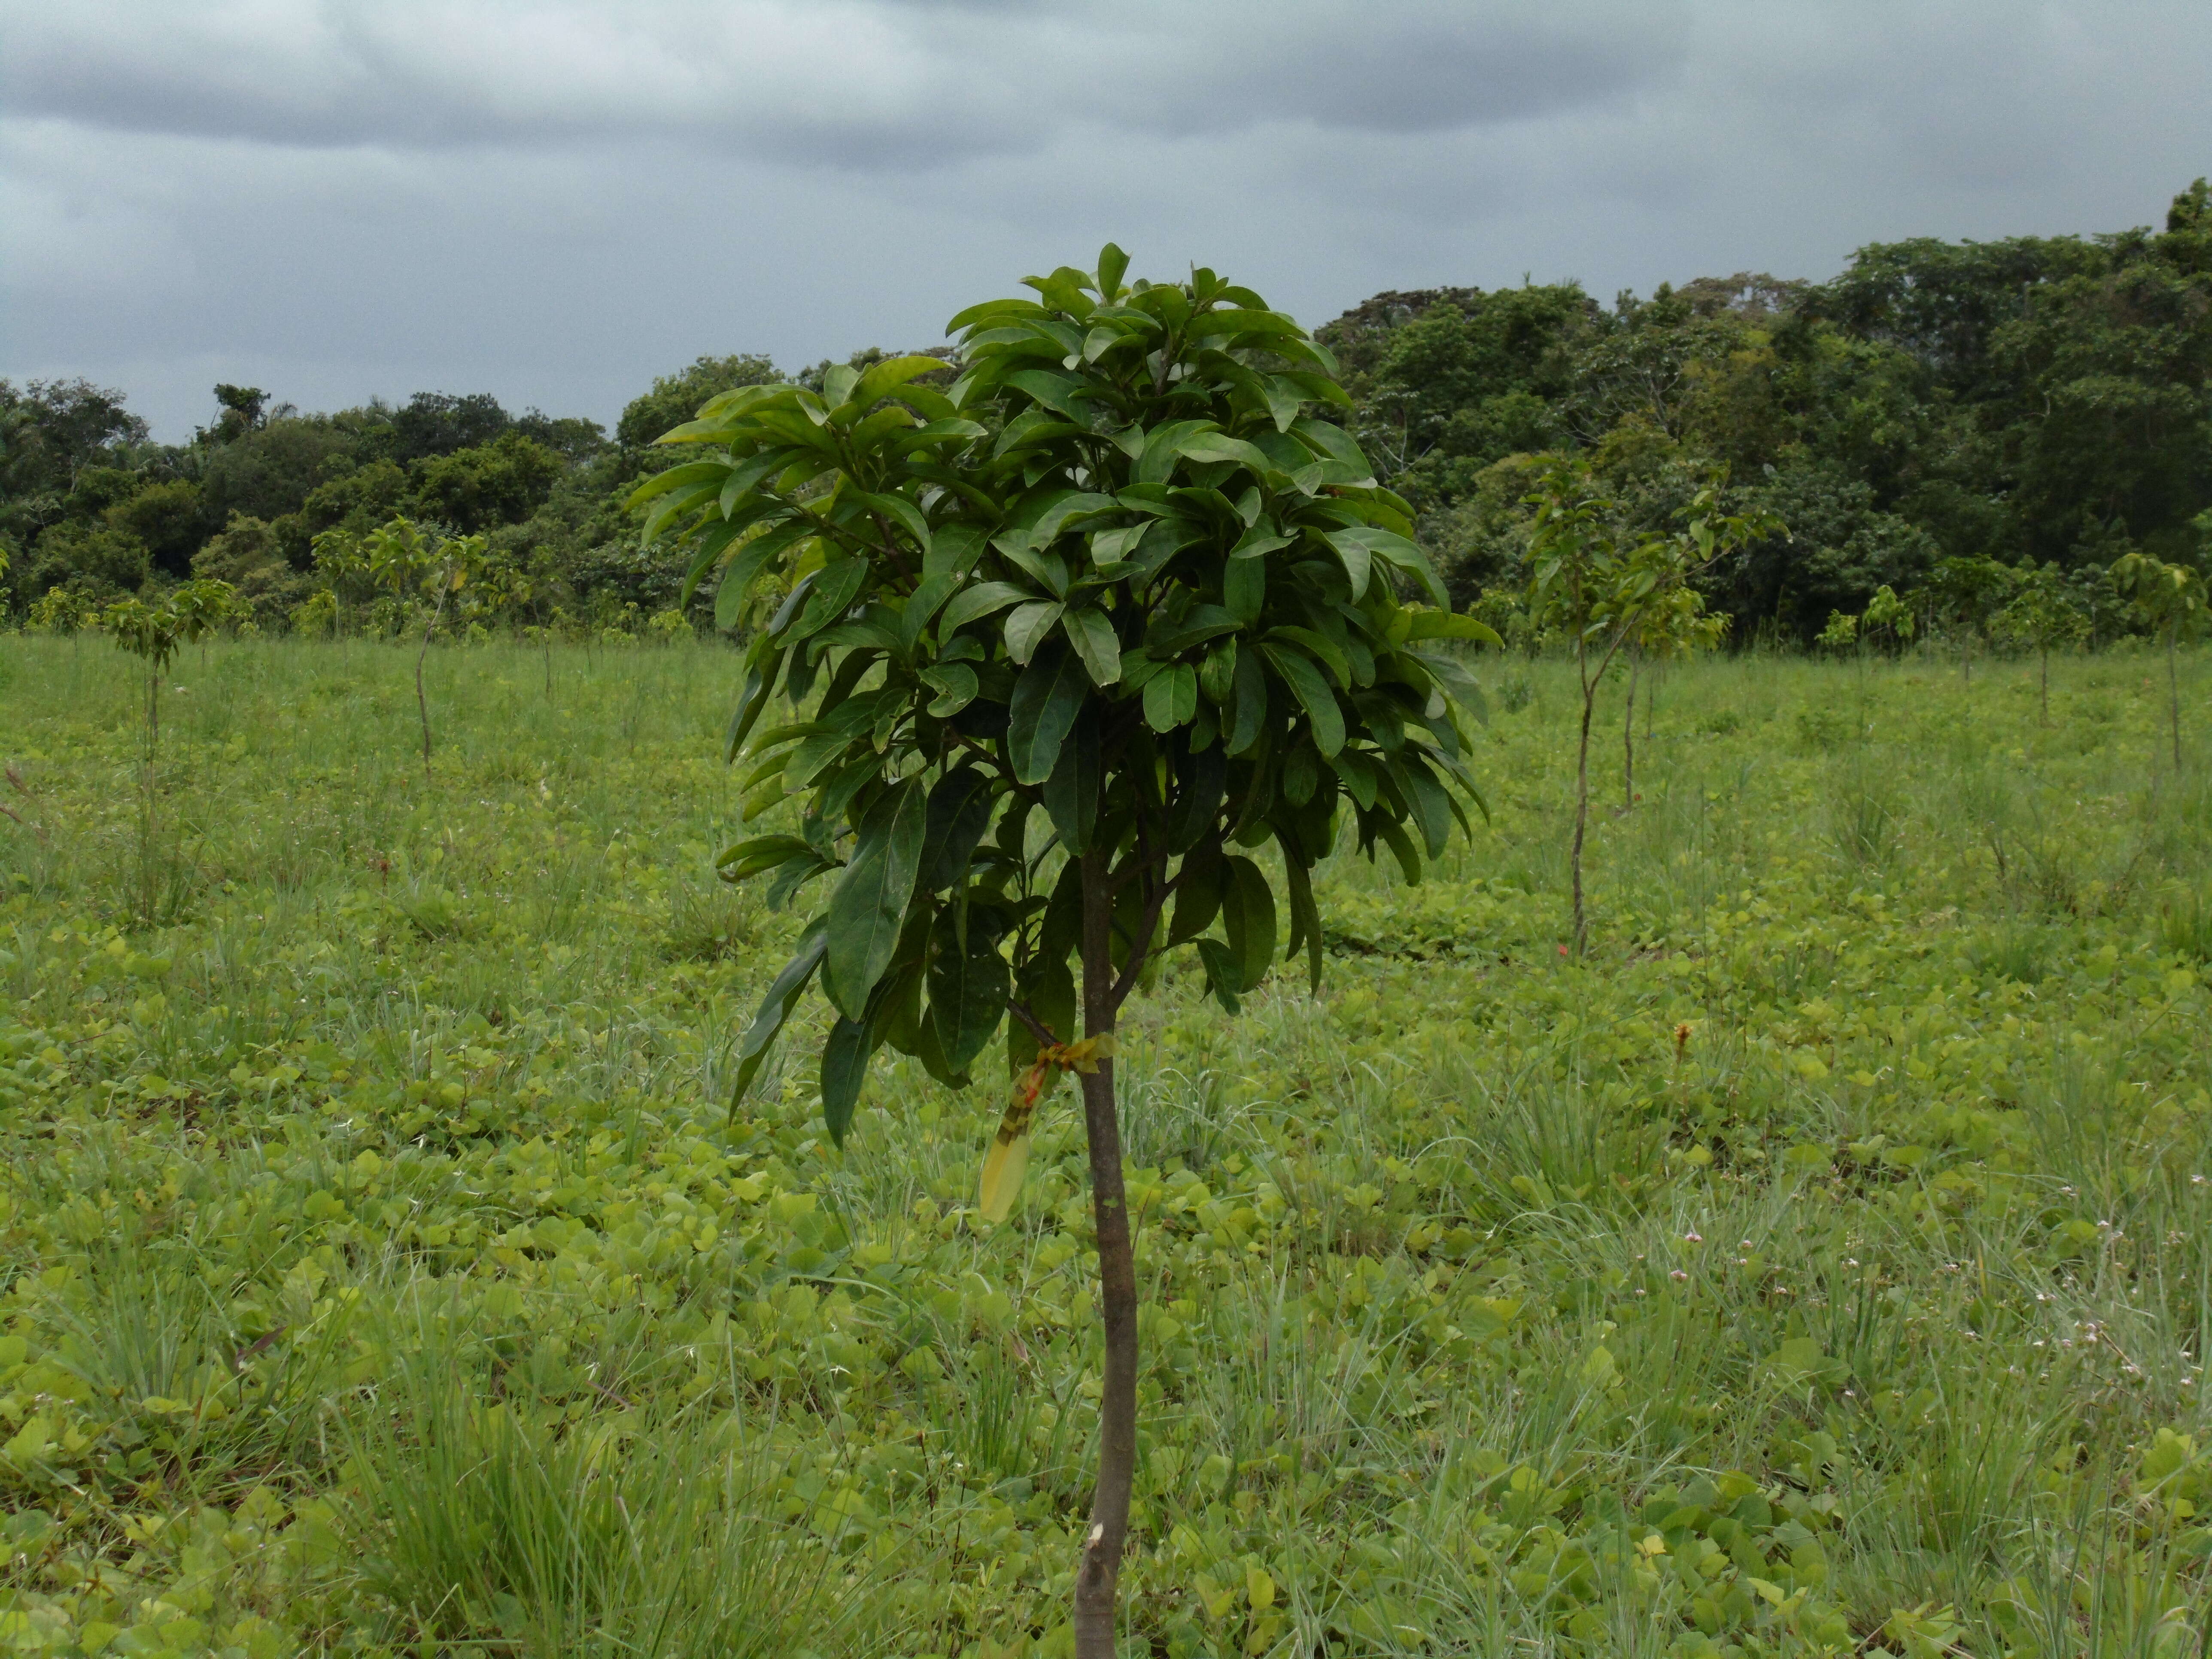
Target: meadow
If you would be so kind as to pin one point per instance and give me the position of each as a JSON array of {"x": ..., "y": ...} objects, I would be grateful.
[{"x": 1821, "y": 1266}]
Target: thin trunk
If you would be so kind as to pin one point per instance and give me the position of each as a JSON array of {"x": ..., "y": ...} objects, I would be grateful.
[
  {"x": 147, "y": 825},
  {"x": 1097, "y": 1577},
  {"x": 546, "y": 636},
  {"x": 1628, "y": 740},
  {"x": 1581, "y": 797},
  {"x": 2043, "y": 684},
  {"x": 1651, "y": 701},
  {"x": 422, "y": 702},
  {"x": 2173, "y": 695}
]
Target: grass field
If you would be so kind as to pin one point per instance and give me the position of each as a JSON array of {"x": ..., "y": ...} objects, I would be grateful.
[{"x": 1822, "y": 1266}]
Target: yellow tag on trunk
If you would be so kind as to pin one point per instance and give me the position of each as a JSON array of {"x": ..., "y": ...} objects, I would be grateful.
[{"x": 1008, "y": 1160}]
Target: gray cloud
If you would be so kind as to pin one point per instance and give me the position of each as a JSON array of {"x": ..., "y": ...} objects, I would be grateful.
[{"x": 554, "y": 200}]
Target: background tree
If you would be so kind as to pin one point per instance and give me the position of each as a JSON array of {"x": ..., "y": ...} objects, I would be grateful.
[
  {"x": 1886, "y": 618},
  {"x": 2170, "y": 598},
  {"x": 1074, "y": 637},
  {"x": 1675, "y": 625},
  {"x": 153, "y": 632},
  {"x": 2041, "y": 614},
  {"x": 402, "y": 557},
  {"x": 1600, "y": 587},
  {"x": 1963, "y": 595}
]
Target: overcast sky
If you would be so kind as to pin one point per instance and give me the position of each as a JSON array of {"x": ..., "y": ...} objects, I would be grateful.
[{"x": 556, "y": 201}]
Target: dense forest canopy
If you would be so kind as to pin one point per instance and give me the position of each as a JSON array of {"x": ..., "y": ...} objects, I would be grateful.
[{"x": 2035, "y": 401}]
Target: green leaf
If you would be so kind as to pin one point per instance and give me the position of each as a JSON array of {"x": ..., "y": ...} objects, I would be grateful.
[
  {"x": 1163, "y": 448},
  {"x": 1046, "y": 701},
  {"x": 878, "y": 380},
  {"x": 955, "y": 685},
  {"x": 1251, "y": 712},
  {"x": 775, "y": 1008},
  {"x": 747, "y": 858},
  {"x": 1071, "y": 794},
  {"x": 1221, "y": 971},
  {"x": 1113, "y": 265},
  {"x": 1322, "y": 650},
  {"x": 1201, "y": 780},
  {"x": 1064, "y": 393},
  {"x": 1171, "y": 698},
  {"x": 980, "y": 601},
  {"x": 968, "y": 983},
  {"x": 959, "y": 812},
  {"x": 1423, "y": 623},
  {"x": 752, "y": 700},
  {"x": 1244, "y": 588},
  {"x": 1358, "y": 562},
  {"x": 844, "y": 1068},
  {"x": 1199, "y": 886},
  {"x": 1248, "y": 917},
  {"x": 1210, "y": 447},
  {"x": 1029, "y": 624},
  {"x": 744, "y": 569},
  {"x": 1092, "y": 635},
  {"x": 1312, "y": 690},
  {"x": 868, "y": 906}
]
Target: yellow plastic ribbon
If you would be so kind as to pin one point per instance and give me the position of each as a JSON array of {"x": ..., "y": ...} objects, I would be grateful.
[{"x": 1008, "y": 1160}]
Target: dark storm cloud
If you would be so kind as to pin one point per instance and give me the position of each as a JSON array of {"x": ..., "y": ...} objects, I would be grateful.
[
  {"x": 555, "y": 201},
  {"x": 844, "y": 80}
]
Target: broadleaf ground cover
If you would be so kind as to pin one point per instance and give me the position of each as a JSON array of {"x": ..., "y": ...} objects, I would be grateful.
[{"x": 1819, "y": 1265}]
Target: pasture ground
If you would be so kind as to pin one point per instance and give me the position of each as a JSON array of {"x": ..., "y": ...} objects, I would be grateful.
[{"x": 1822, "y": 1266}]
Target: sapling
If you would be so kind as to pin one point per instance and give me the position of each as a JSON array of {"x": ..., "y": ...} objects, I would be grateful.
[
  {"x": 2041, "y": 614},
  {"x": 402, "y": 557},
  {"x": 153, "y": 632},
  {"x": 1068, "y": 641},
  {"x": 1599, "y": 585},
  {"x": 2170, "y": 598}
]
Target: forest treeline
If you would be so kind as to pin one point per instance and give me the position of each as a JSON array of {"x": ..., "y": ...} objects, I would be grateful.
[{"x": 2038, "y": 402}]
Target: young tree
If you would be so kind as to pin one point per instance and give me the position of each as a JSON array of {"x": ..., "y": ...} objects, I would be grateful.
[
  {"x": 1965, "y": 593},
  {"x": 2041, "y": 614},
  {"x": 1076, "y": 636},
  {"x": 1675, "y": 624},
  {"x": 402, "y": 557},
  {"x": 2171, "y": 599},
  {"x": 342, "y": 559},
  {"x": 1886, "y": 616},
  {"x": 154, "y": 632},
  {"x": 1601, "y": 588}
]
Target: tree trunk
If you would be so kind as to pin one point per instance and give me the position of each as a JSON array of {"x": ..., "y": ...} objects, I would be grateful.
[
  {"x": 2043, "y": 684},
  {"x": 1098, "y": 1576},
  {"x": 545, "y": 633},
  {"x": 1581, "y": 798},
  {"x": 1628, "y": 739},
  {"x": 422, "y": 702},
  {"x": 2173, "y": 695}
]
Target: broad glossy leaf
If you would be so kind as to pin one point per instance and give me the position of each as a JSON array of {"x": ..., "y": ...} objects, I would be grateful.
[
  {"x": 844, "y": 1068},
  {"x": 1248, "y": 917},
  {"x": 869, "y": 904},
  {"x": 1092, "y": 636},
  {"x": 1046, "y": 700},
  {"x": 1423, "y": 623},
  {"x": 1221, "y": 973},
  {"x": 1071, "y": 792},
  {"x": 775, "y": 1009},
  {"x": 1029, "y": 624},
  {"x": 956, "y": 686},
  {"x": 1311, "y": 689},
  {"x": 1171, "y": 697},
  {"x": 968, "y": 984},
  {"x": 980, "y": 599},
  {"x": 959, "y": 812}
]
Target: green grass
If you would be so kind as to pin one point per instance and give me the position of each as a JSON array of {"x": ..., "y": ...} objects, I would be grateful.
[{"x": 1824, "y": 1266}]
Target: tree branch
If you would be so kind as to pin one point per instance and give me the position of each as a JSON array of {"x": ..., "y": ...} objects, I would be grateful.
[{"x": 1038, "y": 1029}]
